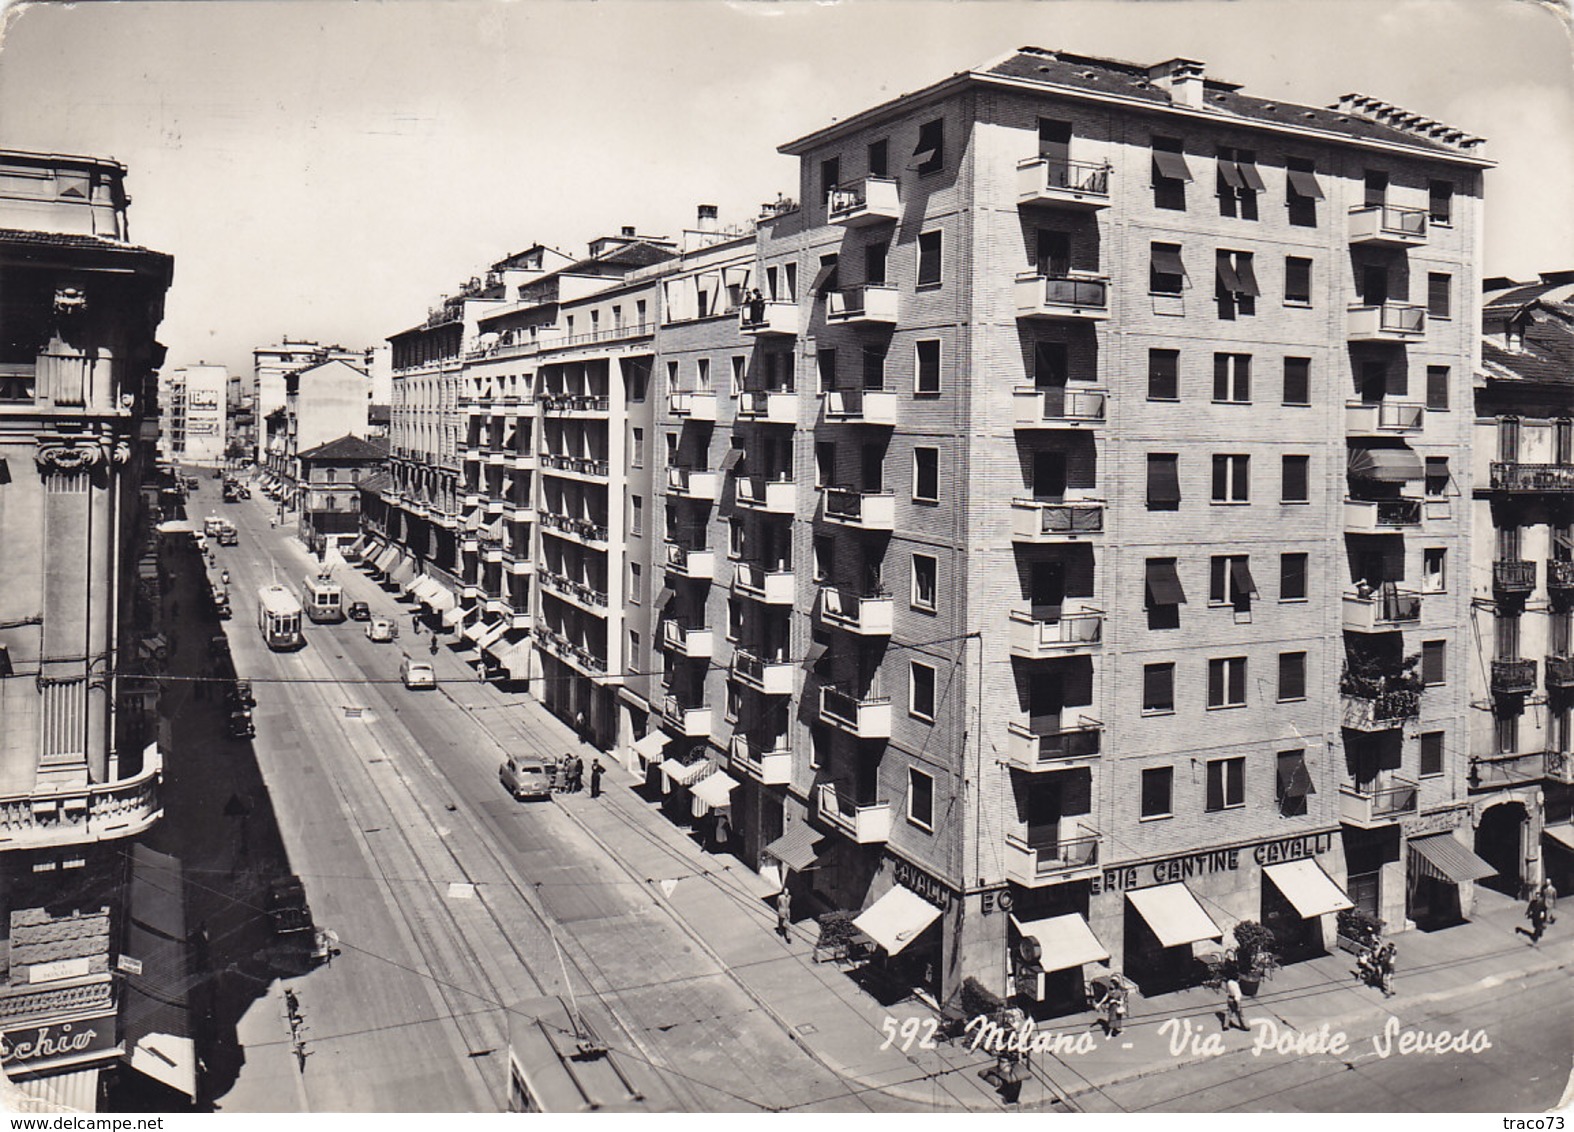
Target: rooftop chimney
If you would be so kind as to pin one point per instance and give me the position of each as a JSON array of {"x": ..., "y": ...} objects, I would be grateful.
[
  {"x": 627, "y": 230},
  {"x": 1183, "y": 78},
  {"x": 706, "y": 220}
]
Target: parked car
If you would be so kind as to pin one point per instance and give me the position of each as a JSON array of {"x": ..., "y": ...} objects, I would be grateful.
[
  {"x": 287, "y": 908},
  {"x": 360, "y": 611},
  {"x": 218, "y": 647},
  {"x": 525, "y": 777},
  {"x": 240, "y": 695},
  {"x": 417, "y": 673},
  {"x": 381, "y": 630},
  {"x": 241, "y": 725}
]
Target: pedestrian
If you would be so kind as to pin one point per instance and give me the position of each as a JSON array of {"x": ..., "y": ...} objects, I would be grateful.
[
  {"x": 1387, "y": 955},
  {"x": 1114, "y": 1006},
  {"x": 1537, "y": 915},
  {"x": 579, "y": 725},
  {"x": 415, "y": 624},
  {"x": 723, "y": 830},
  {"x": 596, "y": 771},
  {"x": 783, "y": 913},
  {"x": 433, "y": 643},
  {"x": 576, "y": 774},
  {"x": 1232, "y": 1004},
  {"x": 1549, "y": 900}
]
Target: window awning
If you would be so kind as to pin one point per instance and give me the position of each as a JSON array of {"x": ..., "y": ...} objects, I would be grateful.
[
  {"x": 683, "y": 775},
  {"x": 817, "y": 649},
  {"x": 649, "y": 748},
  {"x": 1231, "y": 172},
  {"x": 1562, "y": 834},
  {"x": 732, "y": 459},
  {"x": 1064, "y": 941},
  {"x": 1228, "y": 280},
  {"x": 1304, "y": 183},
  {"x": 1385, "y": 465},
  {"x": 715, "y": 790},
  {"x": 516, "y": 659},
  {"x": 1249, "y": 174},
  {"x": 666, "y": 594},
  {"x": 822, "y": 277},
  {"x": 402, "y": 571},
  {"x": 796, "y": 847},
  {"x": 155, "y": 1014},
  {"x": 1164, "y": 585},
  {"x": 1171, "y": 165},
  {"x": 896, "y": 919},
  {"x": 921, "y": 157},
  {"x": 1167, "y": 261},
  {"x": 1246, "y": 276},
  {"x": 1241, "y": 576},
  {"x": 1308, "y": 888},
  {"x": 471, "y": 522},
  {"x": 438, "y": 599},
  {"x": 1439, "y": 855},
  {"x": 736, "y": 276},
  {"x": 1295, "y": 781},
  {"x": 455, "y": 614},
  {"x": 1174, "y": 914},
  {"x": 490, "y": 635}
]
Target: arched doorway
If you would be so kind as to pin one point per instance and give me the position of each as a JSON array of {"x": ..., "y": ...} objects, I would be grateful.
[{"x": 1500, "y": 842}]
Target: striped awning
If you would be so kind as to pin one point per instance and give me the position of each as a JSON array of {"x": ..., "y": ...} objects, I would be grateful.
[
  {"x": 1441, "y": 857},
  {"x": 489, "y": 634},
  {"x": 1385, "y": 465},
  {"x": 685, "y": 774},
  {"x": 796, "y": 847}
]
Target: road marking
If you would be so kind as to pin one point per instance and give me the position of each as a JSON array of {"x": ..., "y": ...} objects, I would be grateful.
[{"x": 459, "y": 891}]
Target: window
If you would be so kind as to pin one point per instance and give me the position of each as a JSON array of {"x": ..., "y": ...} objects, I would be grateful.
[
  {"x": 926, "y": 572},
  {"x": 1292, "y": 577},
  {"x": 636, "y": 583},
  {"x": 634, "y": 660},
  {"x": 1163, "y": 375},
  {"x": 830, "y": 175},
  {"x": 926, "y": 475},
  {"x": 1166, "y": 270},
  {"x": 1293, "y": 479},
  {"x": 1236, "y": 284},
  {"x": 828, "y": 278},
  {"x": 1292, "y": 676},
  {"x": 921, "y": 701},
  {"x": 824, "y": 463},
  {"x": 1170, "y": 174},
  {"x": 1163, "y": 481},
  {"x": 875, "y": 255},
  {"x": 1297, "y": 280},
  {"x": 929, "y": 259},
  {"x": 734, "y": 702},
  {"x": 1227, "y": 682},
  {"x": 1376, "y": 188},
  {"x": 1440, "y": 202},
  {"x": 1230, "y": 580},
  {"x": 920, "y": 798},
  {"x": 929, "y": 153},
  {"x": 874, "y": 366},
  {"x": 734, "y": 618},
  {"x": 926, "y": 367},
  {"x": 1293, "y": 784},
  {"x": 1436, "y": 477},
  {"x": 1297, "y": 381},
  {"x": 1158, "y": 787},
  {"x": 819, "y": 747},
  {"x": 637, "y": 449},
  {"x": 638, "y": 380},
  {"x": 1437, "y": 387},
  {"x": 636, "y": 515},
  {"x": 1434, "y": 656},
  {"x": 738, "y": 365},
  {"x": 1238, "y": 183},
  {"x": 1232, "y": 378},
  {"x": 1431, "y": 754},
  {"x": 1226, "y": 784},
  {"x": 824, "y": 558},
  {"x": 702, "y": 380},
  {"x": 1301, "y": 192},
  {"x": 1434, "y": 570},
  {"x": 1506, "y": 732},
  {"x": 1158, "y": 688},
  {"x": 825, "y": 369},
  {"x": 1231, "y": 479},
  {"x": 1439, "y": 294},
  {"x": 878, "y": 158}
]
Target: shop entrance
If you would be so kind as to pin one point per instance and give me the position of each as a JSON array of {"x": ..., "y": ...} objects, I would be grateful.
[
  {"x": 1154, "y": 967},
  {"x": 1297, "y": 937},
  {"x": 1500, "y": 842}
]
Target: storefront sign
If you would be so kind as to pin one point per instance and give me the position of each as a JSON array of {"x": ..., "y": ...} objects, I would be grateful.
[
  {"x": 911, "y": 876},
  {"x": 1168, "y": 870},
  {"x": 36, "y": 1046},
  {"x": 1440, "y": 821}
]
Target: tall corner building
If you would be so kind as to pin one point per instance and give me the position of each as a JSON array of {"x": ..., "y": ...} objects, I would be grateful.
[{"x": 1088, "y": 552}]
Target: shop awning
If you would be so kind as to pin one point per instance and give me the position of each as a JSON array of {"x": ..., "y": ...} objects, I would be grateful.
[
  {"x": 796, "y": 847},
  {"x": 155, "y": 1015},
  {"x": 455, "y": 615},
  {"x": 474, "y": 631},
  {"x": 681, "y": 774},
  {"x": 1386, "y": 465},
  {"x": 178, "y": 527},
  {"x": 1562, "y": 834},
  {"x": 1439, "y": 855},
  {"x": 715, "y": 790},
  {"x": 402, "y": 571},
  {"x": 1064, "y": 941},
  {"x": 516, "y": 659},
  {"x": 439, "y": 599},
  {"x": 1308, "y": 888},
  {"x": 355, "y": 549},
  {"x": 385, "y": 559},
  {"x": 417, "y": 585},
  {"x": 76, "y": 1091},
  {"x": 1164, "y": 586},
  {"x": 896, "y": 919},
  {"x": 1174, "y": 914},
  {"x": 649, "y": 748}
]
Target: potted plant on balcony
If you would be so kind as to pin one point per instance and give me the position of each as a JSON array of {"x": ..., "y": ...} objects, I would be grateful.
[
  {"x": 1256, "y": 954},
  {"x": 1394, "y": 688},
  {"x": 1357, "y": 930}
]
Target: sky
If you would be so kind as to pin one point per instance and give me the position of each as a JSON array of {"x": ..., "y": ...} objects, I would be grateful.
[{"x": 327, "y": 170}]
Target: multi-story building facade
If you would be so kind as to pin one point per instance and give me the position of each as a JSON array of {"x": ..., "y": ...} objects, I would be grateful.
[
  {"x": 194, "y": 405},
  {"x": 78, "y": 784},
  {"x": 331, "y": 475},
  {"x": 1522, "y": 583},
  {"x": 270, "y": 364},
  {"x": 322, "y": 402}
]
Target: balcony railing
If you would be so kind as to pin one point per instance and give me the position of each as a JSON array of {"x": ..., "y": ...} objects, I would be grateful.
[
  {"x": 1074, "y": 184},
  {"x": 772, "y": 317},
  {"x": 691, "y": 562},
  {"x": 1062, "y": 296},
  {"x": 1560, "y": 575},
  {"x": 1071, "y": 634},
  {"x": 873, "y": 200},
  {"x": 776, "y": 586},
  {"x": 1387, "y": 322},
  {"x": 866, "y": 823},
  {"x": 1388, "y": 224},
  {"x": 772, "y": 677},
  {"x": 692, "y": 722},
  {"x": 866, "y": 717},
  {"x": 693, "y": 483},
  {"x": 1560, "y": 672},
  {"x": 1383, "y": 611},
  {"x": 871, "y": 304},
  {"x": 1033, "y": 747},
  {"x": 873, "y": 615},
  {"x": 1375, "y": 516},
  {"x": 1495, "y": 772},
  {"x": 78, "y": 815},
  {"x": 1373, "y": 804},
  {"x": 1376, "y": 417},
  {"x": 1380, "y": 711},
  {"x": 695, "y": 641},
  {"x": 768, "y": 766},
  {"x": 861, "y": 406},
  {"x": 696, "y": 405},
  {"x": 772, "y": 406},
  {"x": 1058, "y": 408},
  {"x": 1532, "y": 477},
  {"x": 1513, "y": 576},
  {"x": 1513, "y": 677},
  {"x": 867, "y": 510},
  {"x": 1033, "y": 865},
  {"x": 1033, "y": 520},
  {"x": 773, "y": 496}
]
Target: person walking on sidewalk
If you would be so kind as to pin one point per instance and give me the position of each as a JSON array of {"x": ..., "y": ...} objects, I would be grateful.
[
  {"x": 579, "y": 725},
  {"x": 1232, "y": 1004},
  {"x": 784, "y": 913},
  {"x": 1114, "y": 1004},
  {"x": 1386, "y": 957},
  {"x": 1536, "y": 913},
  {"x": 596, "y": 771},
  {"x": 1549, "y": 900},
  {"x": 576, "y": 773}
]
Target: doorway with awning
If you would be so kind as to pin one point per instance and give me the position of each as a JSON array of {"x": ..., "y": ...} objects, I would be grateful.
[
  {"x": 1299, "y": 900},
  {"x": 1162, "y": 925}
]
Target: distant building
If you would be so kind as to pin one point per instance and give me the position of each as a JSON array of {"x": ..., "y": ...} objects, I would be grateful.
[
  {"x": 270, "y": 364},
  {"x": 331, "y": 475},
  {"x": 321, "y": 402},
  {"x": 195, "y": 408}
]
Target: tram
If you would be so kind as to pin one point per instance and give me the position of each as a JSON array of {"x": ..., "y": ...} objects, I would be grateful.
[
  {"x": 323, "y": 598},
  {"x": 558, "y": 1063},
  {"x": 279, "y": 618}
]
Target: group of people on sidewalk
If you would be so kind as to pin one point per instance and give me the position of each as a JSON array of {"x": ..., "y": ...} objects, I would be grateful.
[{"x": 568, "y": 774}]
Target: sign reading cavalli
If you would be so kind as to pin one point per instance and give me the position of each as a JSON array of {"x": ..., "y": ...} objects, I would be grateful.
[{"x": 1168, "y": 870}]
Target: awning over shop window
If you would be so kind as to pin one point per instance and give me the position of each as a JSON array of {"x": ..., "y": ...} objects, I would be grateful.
[
  {"x": 1439, "y": 856},
  {"x": 474, "y": 631},
  {"x": 490, "y": 634},
  {"x": 1064, "y": 941},
  {"x": 76, "y": 1091},
  {"x": 682, "y": 774},
  {"x": 516, "y": 659},
  {"x": 1164, "y": 586},
  {"x": 418, "y": 586},
  {"x": 896, "y": 919},
  {"x": 455, "y": 615},
  {"x": 155, "y": 1014},
  {"x": 649, "y": 748},
  {"x": 1386, "y": 465},
  {"x": 1174, "y": 914},
  {"x": 1307, "y": 887},
  {"x": 715, "y": 790},
  {"x": 796, "y": 847},
  {"x": 355, "y": 549},
  {"x": 1562, "y": 834},
  {"x": 438, "y": 599},
  {"x": 402, "y": 571},
  {"x": 386, "y": 559}
]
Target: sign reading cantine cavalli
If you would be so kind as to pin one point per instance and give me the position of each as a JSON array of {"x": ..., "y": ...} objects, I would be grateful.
[
  {"x": 34, "y": 1047},
  {"x": 1168, "y": 870}
]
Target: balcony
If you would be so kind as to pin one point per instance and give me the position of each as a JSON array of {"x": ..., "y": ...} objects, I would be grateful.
[
  {"x": 1380, "y": 516},
  {"x": 1380, "y": 710},
  {"x": 769, "y": 406},
  {"x": 698, "y": 563},
  {"x": 761, "y": 320},
  {"x": 1389, "y": 322},
  {"x": 586, "y": 531},
  {"x": 872, "y": 616},
  {"x": 1388, "y": 225},
  {"x": 1062, "y": 296},
  {"x": 868, "y": 823},
  {"x": 863, "y": 510},
  {"x": 1498, "y": 772},
  {"x": 78, "y": 815},
  {"x": 771, "y": 767},
  {"x": 1034, "y": 747},
  {"x": 1513, "y": 677},
  {"x": 773, "y": 587},
  {"x": 690, "y": 722},
  {"x": 772, "y": 496},
  {"x": 874, "y": 304},
  {"x": 1560, "y": 672},
  {"x": 575, "y": 404},
  {"x": 770, "y": 677},
  {"x": 1383, "y": 418},
  {"x": 874, "y": 200},
  {"x": 1033, "y": 866},
  {"x": 1513, "y": 576},
  {"x": 694, "y": 641},
  {"x": 1381, "y": 612},
  {"x": 693, "y": 483},
  {"x": 1036, "y": 521},
  {"x": 861, "y": 406},
  {"x": 1374, "y": 804},
  {"x": 1538, "y": 478},
  {"x": 1560, "y": 575},
  {"x": 868, "y": 717},
  {"x": 1059, "y": 407},
  {"x": 1560, "y": 767},
  {"x": 1066, "y": 184},
  {"x": 694, "y": 405},
  {"x": 1073, "y": 634}
]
